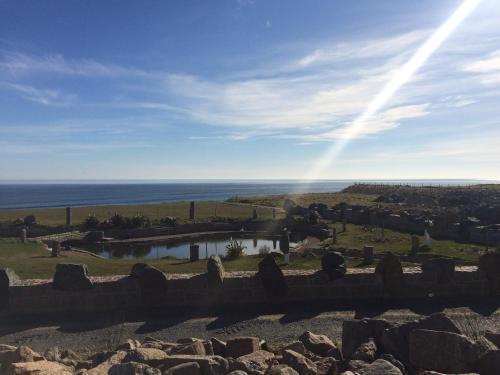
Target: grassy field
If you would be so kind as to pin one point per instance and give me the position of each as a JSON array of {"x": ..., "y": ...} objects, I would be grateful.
[
  {"x": 330, "y": 199},
  {"x": 34, "y": 261},
  {"x": 203, "y": 210},
  {"x": 399, "y": 243}
]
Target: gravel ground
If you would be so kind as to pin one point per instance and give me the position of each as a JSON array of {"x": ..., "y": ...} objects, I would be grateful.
[{"x": 89, "y": 334}]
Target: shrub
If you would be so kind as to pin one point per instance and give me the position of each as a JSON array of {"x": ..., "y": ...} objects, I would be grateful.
[
  {"x": 29, "y": 220},
  {"x": 91, "y": 222},
  {"x": 117, "y": 220},
  {"x": 235, "y": 249}
]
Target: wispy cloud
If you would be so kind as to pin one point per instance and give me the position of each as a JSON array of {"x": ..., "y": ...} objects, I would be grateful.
[
  {"x": 487, "y": 68},
  {"x": 46, "y": 97}
]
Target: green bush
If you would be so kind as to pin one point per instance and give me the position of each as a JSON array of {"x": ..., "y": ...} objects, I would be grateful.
[
  {"x": 235, "y": 249},
  {"x": 91, "y": 222}
]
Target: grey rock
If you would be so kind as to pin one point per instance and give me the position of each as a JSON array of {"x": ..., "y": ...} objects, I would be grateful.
[
  {"x": 379, "y": 367},
  {"x": 215, "y": 271},
  {"x": 239, "y": 346},
  {"x": 395, "y": 362},
  {"x": 282, "y": 370},
  {"x": 299, "y": 363},
  {"x": 296, "y": 346},
  {"x": 272, "y": 278},
  {"x": 389, "y": 269},
  {"x": 153, "y": 283},
  {"x": 367, "y": 351},
  {"x": 188, "y": 368},
  {"x": 255, "y": 363},
  {"x": 132, "y": 368},
  {"x": 356, "y": 332},
  {"x": 333, "y": 263},
  {"x": 318, "y": 344},
  {"x": 71, "y": 277}
]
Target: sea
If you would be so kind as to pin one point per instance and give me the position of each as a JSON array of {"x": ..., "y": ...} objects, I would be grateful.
[{"x": 49, "y": 194}]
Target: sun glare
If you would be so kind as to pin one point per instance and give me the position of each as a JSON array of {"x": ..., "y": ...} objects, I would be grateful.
[{"x": 400, "y": 77}]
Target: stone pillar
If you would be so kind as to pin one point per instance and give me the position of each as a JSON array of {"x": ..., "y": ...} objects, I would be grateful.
[
  {"x": 344, "y": 225},
  {"x": 285, "y": 246},
  {"x": 69, "y": 216},
  {"x": 24, "y": 235},
  {"x": 334, "y": 235},
  {"x": 194, "y": 253},
  {"x": 255, "y": 242},
  {"x": 274, "y": 243},
  {"x": 415, "y": 244},
  {"x": 368, "y": 255},
  {"x": 274, "y": 213},
  {"x": 191, "y": 210},
  {"x": 56, "y": 249},
  {"x": 254, "y": 214}
]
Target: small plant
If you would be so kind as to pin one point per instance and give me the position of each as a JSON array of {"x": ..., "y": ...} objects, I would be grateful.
[
  {"x": 235, "y": 249},
  {"x": 91, "y": 222},
  {"x": 264, "y": 250}
]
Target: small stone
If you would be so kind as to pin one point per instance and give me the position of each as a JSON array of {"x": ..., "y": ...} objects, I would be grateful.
[
  {"x": 241, "y": 346},
  {"x": 133, "y": 368},
  {"x": 255, "y": 363},
  {"x": 299, "y": 363},
  {"x": 188, "y": 368},
  {"x": 318, "y": 344}
]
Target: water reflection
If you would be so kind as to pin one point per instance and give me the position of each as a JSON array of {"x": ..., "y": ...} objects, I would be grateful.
[{"x": 180, "y": 249}]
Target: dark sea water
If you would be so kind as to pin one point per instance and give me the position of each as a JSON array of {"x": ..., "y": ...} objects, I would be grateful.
[{"x": 40, "y": 195}]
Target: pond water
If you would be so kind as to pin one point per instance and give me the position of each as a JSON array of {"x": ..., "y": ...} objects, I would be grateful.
[{"x": 180, "y": 249}]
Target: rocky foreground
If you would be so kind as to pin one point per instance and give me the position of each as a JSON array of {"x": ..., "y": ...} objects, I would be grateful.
[{"x": 432, "y": 345}]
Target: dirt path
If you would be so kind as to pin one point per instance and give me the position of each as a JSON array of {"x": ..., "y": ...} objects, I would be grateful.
[{"x": 96, "y": 333}]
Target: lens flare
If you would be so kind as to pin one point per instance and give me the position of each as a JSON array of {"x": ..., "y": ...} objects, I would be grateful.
[{"x": 400, "y": 77}]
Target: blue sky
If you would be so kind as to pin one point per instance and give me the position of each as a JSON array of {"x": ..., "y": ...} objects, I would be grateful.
[{"x": 245, "y": 89}]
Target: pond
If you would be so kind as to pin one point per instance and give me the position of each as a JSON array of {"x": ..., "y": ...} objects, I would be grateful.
[{"x": 180, "y": 248}]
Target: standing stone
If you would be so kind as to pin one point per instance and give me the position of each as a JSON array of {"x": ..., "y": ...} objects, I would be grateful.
[
  {"x": 344, "y": 225},
  {"x": 390, "y": 271},
  {"x": 254, "y": 214},
  {"x": 285, "y": 245},
  {"x": 274, "y": 243},
  {"x": 191, "y": 210},
  {"x": 272, "y": 278},
  {"x": 438, "y": 270},
  {"x": 215, "y": 271},
  {"x": 194, "y": 253},
  {"x": 489, "y": 264},
  {"x": 7, "y": 278},
  {"x": 56, "y": 249},
  {"x": 69, "y": 217},
  {"x": 71, "y": 277},
  {"x": 153, "y": 283},
  {"x": 333, "y": 264},
  {"x": 24, "y": 235},
  {"x": 415, "y": 244},
  {"x": 334, "y": 235},
  {"x": 274, "y": 213},
  {"x": 368, "y": 254}
]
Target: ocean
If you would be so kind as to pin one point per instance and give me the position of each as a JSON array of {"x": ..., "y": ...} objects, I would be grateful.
[{"x": 76, "y": 193}]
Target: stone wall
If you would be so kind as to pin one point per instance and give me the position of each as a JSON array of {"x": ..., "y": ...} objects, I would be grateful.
[{"x": 239, "y": 288}]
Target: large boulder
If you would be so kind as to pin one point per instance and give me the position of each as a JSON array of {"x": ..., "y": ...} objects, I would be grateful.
[
  {"x": 438, "y": 270},
  {"x": 395, "y": 362},
  {"x": 442, "y": 351},
  {"x": 272, "y": 278},
  {"x": 395, "y": 340},
  {"x": 379, "y": 367},
  {"x": 239, "y": 346},
  {"x": 133, "y": 368},
  {"x": 20, "y": 354},
  {"x": 255, "y": 363},
  {"x": 72, "y": 277},
  {"x": 489, "y": 264},
  {"x": 193, "y": 348},
  {"x": 318, "y": 344},
  {"x": 39, "y": 368},
  {"x": 109, "y": 359},
  {"x": 333, "y": 263},
  {"x": 215, "y": 271},
  {"x": 489, "y": 364},
  {"x": 390, "y": 271},
  {"x": 153, "y": 283},
  {"x": 357, "y": 332},
  {"x": 7, "y": 279},
  {"x": 299, "y": 363}
]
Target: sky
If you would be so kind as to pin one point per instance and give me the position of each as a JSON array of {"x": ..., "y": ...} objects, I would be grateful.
[{"x": 247, "y": 89}]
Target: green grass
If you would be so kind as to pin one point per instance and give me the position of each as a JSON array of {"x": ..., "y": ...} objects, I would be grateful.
[
  {"x": 329, "y": 199},
  {"x": 398, "y": 243},
  {"x": 203, "y": 211},
  {"x": 31, "y": 261}
]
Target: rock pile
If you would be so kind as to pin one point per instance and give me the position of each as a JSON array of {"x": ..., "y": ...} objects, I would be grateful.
[{"x": 430, "y": 346}]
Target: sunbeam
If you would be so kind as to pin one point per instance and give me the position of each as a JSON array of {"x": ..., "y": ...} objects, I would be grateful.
[{"x": 400, "y": 77}]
